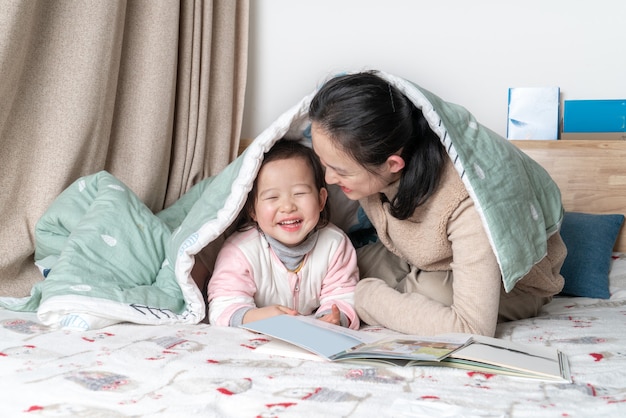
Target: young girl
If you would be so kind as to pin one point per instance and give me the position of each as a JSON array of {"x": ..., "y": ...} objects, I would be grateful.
[
  {"x": 285, "y": 258},
  {"x": 434, "y": 269}
]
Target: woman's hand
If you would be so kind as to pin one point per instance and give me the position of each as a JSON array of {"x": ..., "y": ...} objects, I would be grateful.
[
  {"x": 334, "y": 317},
  {"x": 267, "y": 312}
]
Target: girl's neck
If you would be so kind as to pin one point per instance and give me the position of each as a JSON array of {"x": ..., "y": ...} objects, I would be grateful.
[{"x": 292, "y": 257}]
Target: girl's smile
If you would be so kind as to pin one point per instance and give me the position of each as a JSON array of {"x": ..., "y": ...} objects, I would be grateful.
[{"x": 288, "y": 204}]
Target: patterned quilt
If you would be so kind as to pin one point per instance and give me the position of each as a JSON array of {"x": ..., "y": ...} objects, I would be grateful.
[{"x": 200, "y": 370}]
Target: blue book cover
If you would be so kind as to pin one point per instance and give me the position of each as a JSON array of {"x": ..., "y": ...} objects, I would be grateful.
[
  {"x": 334, "y": 342},
  {"x": 594, "y": 116}
]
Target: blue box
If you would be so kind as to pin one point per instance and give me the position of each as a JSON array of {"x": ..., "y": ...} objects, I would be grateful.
[{"x": 594, "y": 116}]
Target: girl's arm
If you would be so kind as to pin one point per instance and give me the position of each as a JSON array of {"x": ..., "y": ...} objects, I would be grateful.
[
  {"x": 231, "y": 288},
  {"x": 256, "y": 314},
  {"x": 334, "y": 317},
  {"x": 339, "y": 284}
]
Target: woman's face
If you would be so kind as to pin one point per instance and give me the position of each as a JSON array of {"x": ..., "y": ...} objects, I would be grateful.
[
  {"x": 341, "y": 169},
  {"x": 288, "y": 204}
]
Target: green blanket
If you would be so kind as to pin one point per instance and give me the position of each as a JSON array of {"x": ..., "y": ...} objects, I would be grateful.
[
  {"x": 518, "y": 201},
  {"x": 107, "y": 258}
]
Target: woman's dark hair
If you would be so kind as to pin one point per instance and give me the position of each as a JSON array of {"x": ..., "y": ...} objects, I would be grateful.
[
  {"x": 282, "y": 150},
  {"x": 370, "y": 120}
]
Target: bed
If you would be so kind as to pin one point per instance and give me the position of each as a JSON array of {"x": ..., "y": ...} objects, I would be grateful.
[
  {"x": 117, "y": 327},
  {"x": 199, "y": 370}
]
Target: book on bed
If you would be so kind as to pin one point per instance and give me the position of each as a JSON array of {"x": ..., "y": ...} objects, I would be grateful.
[{"x": 306, "y": 337}]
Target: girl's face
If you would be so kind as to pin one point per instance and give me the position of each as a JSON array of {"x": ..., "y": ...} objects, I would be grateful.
[
  {"x": 352, "y": 177},
  {"x": 288, "y": 204}
]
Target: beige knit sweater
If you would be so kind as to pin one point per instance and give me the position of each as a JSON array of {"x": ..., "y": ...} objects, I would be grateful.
[{"x": 447, "y": 233}]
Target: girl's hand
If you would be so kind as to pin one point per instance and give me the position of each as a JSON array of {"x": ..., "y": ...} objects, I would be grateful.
[
  {"x": 266, "y": 312},
  {"x": 334, "y": 317}
]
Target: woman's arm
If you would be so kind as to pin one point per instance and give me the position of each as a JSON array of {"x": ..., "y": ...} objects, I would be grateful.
[{"x": 476, "y": 284}]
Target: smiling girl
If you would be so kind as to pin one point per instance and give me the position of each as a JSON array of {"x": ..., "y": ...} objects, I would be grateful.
[{"x": 285, "y": 258}]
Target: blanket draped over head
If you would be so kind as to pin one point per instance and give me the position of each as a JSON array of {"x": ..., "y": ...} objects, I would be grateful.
[{"x": 107, "y": 258}]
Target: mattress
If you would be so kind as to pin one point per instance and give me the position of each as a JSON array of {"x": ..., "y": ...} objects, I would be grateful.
[{"x": 178, "y": 370}]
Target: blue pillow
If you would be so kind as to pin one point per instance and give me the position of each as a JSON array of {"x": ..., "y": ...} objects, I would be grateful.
[{"x": 589, "y": 239}]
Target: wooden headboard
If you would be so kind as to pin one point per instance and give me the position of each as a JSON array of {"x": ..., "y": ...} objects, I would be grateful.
[{"x": 590, "y": 173}]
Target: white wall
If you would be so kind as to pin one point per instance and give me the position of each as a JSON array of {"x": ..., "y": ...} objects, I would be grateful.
[{"x": 467, "y": 52}]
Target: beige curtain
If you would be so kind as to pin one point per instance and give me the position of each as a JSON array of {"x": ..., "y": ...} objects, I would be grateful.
[{"x": 151, "y": 91}]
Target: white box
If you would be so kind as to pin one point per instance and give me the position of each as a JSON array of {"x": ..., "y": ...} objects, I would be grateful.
[{"x": 533, "y": 113}]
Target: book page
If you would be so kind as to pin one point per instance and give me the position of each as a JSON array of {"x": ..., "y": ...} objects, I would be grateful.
[
  {"x": 537, "y": 360},
  {"x": 409, "y": 347},
  {"x": 312, "y": 334},
  {"x": 339, "y": 343}
]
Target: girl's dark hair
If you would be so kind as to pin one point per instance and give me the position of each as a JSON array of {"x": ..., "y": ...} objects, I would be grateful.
[
  {"x": 370, "y": 120},
  {"x": 282, "y": 150}
]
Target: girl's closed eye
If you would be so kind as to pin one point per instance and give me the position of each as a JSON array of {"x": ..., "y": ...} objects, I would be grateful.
[{"x": 303, "y": 190}]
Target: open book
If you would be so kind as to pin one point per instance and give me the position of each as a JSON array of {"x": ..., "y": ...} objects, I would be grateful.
[{"x": 466, "y": 351}]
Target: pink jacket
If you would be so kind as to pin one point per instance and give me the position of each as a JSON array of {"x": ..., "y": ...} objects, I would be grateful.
[{"x": 249, "y": 274}]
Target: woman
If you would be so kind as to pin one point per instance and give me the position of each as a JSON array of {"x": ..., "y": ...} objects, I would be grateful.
[{"x": 434, "y": 268}]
